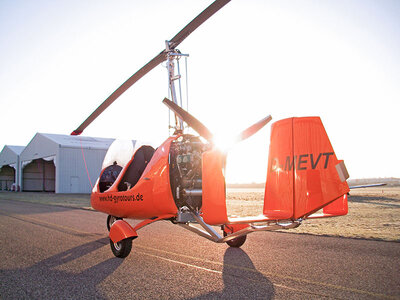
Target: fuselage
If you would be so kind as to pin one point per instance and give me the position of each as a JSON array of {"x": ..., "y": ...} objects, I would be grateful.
[{"x": 171, "y": 177}]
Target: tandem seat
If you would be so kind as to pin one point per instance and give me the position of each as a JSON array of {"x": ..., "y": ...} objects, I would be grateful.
[{"x": 136, "y": 167}]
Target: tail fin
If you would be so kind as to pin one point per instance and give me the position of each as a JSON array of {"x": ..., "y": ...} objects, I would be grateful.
[{"x": 304, "y": 174}]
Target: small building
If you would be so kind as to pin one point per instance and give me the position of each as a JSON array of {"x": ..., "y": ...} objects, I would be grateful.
[
  {"x": 9, "y": 166},
  {"x": 62, "y": 163}
]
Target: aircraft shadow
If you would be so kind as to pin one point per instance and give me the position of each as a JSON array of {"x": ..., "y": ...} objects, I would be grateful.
[
  {"x": 241, "y": 279},
  {"x": 377, "y": 200},
  {"x": 48, "y": 278}
]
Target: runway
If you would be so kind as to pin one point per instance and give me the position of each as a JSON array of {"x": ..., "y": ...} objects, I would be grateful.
[{"x": 51, "y": 252}]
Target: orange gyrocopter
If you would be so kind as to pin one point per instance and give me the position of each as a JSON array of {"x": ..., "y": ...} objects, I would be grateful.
[{"x": 183, "y": 179}]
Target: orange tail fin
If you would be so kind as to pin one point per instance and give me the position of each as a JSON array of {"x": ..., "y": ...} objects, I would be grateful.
[{"x": 304, "y": 174}]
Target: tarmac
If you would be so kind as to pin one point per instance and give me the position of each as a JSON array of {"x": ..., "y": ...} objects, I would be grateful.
[{"x": 51, "y": 252}]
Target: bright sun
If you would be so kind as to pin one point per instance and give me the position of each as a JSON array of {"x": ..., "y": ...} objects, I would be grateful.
[{"x": 224, "y": 141}]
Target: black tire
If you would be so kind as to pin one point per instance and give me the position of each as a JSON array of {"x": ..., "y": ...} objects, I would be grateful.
[
  {"x": 122, "y": 248},
  {"x": 111, "y": 220},
  {"x": 236, "y": 242}
]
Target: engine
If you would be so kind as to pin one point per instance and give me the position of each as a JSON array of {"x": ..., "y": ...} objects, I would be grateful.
[{"x": 185, "y": 171}]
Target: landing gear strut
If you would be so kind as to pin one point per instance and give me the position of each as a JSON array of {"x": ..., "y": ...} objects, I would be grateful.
[{"x": 111, "y": 220}]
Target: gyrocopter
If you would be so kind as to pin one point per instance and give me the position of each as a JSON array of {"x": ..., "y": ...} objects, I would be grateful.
[{"x": 183, "y": 179}]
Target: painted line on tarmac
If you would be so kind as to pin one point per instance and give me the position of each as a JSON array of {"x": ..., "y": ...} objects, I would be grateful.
[
  {"x": 269, "y": 274},
  {"x": 220, "y": 272}
]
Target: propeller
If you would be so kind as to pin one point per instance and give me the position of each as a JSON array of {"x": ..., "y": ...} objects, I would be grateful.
[
  {"x": 203, "y": 131},
  {"x": 199, "y": 127},
  {"x": 162, "y": 56},
  {"x": 253, "y": 128}
]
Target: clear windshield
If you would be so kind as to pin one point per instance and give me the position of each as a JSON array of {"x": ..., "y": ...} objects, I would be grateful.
[{"x": 120, "y": 151}]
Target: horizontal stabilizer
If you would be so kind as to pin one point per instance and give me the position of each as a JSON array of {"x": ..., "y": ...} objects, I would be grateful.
[{"x": 367, "y": 185}]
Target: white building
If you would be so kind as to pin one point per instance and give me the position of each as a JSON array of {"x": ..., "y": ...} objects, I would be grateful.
[
  {"x": 62, "y": 163},
  {"x": 9, "y": 170}
]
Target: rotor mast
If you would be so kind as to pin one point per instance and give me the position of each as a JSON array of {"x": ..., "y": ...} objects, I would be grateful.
[{"x": 172, "y": 56}]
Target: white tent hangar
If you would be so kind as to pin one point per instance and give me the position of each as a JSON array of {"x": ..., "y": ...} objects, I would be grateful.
[
  {"x": 62, "y": 163},
  {"x": 9, "y": 162}
]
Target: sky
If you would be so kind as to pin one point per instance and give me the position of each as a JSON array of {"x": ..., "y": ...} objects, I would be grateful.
[{"x": 336, "y": 59}]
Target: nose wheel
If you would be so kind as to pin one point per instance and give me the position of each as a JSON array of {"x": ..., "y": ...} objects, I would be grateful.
[{"x": 122, "y": 248}]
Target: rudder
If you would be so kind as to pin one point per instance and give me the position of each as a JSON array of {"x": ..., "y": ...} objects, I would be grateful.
[{"x": 304, "y": 174}]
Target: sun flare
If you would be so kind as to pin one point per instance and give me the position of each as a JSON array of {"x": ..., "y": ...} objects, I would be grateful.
[{"x": 224, "y": 141}]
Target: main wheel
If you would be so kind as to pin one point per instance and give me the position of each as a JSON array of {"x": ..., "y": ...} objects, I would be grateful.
[
  {"x": 122, "y": 248},
  {"x": 236, "y": 242},
  {"x": 111, "y": 220}
]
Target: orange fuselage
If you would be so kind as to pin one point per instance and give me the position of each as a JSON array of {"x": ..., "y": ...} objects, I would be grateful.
[{"x": 150, "y": 197}]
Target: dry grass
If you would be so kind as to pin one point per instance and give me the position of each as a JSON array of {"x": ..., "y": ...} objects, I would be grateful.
[{"x": 374, "y": 213}]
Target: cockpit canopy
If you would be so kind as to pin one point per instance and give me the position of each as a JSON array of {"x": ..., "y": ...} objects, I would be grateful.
[
  {"x": 131, "y": 155},
  {"x": 120, "y": 153}
]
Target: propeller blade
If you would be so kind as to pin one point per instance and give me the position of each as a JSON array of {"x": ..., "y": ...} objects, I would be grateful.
[
  {"x": 190, "y": 120},
  {"x": 253, "y": 129},
  {"x": 196, "y": 22},
  {"x": 203, "y": 131},
  {"x": 119, "y": 91}
]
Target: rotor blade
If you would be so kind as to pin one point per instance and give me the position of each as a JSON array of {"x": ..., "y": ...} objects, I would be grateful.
[
  {"x": 196, "y": 22},
  {"x": 190, "y": 120},
  {"x": 119, "y": 91},
  {"x": 253, "y": 129},
  {"x": 175, "y": 41}
]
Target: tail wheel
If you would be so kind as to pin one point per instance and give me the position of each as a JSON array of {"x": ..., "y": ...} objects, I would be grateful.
[
  {"x": 111, "y": 220},
  {"x": 122, "y": 248},
  {"x": 236, "y": 242}
]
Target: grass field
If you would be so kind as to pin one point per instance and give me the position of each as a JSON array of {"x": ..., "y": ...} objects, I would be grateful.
[{"x": 374, "y": 213}]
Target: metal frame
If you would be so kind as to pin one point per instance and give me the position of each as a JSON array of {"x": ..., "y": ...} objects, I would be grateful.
[
  {"x": 172, "y": 56},
  {"x": 210, "y": 233}
]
